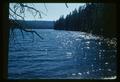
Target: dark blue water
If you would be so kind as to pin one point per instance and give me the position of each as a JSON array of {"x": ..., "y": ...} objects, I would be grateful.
[{"x": 60, "y": 55}]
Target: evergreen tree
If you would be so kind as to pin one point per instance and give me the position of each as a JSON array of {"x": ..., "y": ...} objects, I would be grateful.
[{"x": 96, "y": 18}]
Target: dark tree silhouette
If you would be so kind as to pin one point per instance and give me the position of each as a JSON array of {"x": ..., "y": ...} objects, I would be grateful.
[{"x": 95, "y": 18}]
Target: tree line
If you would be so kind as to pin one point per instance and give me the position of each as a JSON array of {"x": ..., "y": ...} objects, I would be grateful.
[{"x": 95, "y": 18}]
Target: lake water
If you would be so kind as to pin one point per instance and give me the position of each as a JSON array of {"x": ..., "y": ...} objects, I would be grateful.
[{"x": 60, "y": 55}]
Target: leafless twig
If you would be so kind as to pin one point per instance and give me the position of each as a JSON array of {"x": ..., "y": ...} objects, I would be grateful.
[
  {"x": 66, "y": 5},
  {"x": 17, "y": 11}
]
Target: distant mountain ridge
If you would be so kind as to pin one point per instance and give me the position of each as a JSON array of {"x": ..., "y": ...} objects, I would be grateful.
[{"x": 38, "y": 24}]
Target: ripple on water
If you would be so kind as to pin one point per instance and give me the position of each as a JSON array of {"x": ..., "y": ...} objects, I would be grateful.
[{"x": 61, "y": 55}]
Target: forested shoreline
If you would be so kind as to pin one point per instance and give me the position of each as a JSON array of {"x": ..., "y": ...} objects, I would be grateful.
[
  {"x": 96, "y": 18},
  {"x": 30, "y": 24}
]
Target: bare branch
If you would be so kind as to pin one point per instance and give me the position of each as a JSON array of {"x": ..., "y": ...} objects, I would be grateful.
[
  {"x": 21, "y": 27},
  {"x": 19, "y": 11},
  {"x": 38, "y": 11},
  {"x": 66, "y": 5},
  {"x": 16, "y": 14},
  {"x": 45, "y": 7},
  {"x": 32, "y": 32},
  {"x": 22, "y": 33}
]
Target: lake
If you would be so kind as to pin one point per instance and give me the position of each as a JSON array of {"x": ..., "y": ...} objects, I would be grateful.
[{"x": 60, "y": 55}]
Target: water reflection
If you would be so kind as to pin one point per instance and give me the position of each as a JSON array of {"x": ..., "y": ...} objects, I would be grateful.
[{"x": 72, "y": 55}]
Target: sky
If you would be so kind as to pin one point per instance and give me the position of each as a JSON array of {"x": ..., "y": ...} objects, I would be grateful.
[{"x": 52, "y": 11}]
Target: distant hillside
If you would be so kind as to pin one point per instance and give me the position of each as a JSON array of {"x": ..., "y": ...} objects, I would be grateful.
[{"x": 38, "y": 24}]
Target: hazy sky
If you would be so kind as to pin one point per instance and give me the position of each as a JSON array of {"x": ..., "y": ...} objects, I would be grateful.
[{"x": 53, "y": 11}]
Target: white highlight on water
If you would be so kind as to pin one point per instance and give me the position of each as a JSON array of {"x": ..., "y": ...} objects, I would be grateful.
[{"x": 113, "y": 77}]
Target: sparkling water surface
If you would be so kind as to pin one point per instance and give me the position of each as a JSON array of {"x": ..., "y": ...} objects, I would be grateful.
[{"x": 60, "y": 55}]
